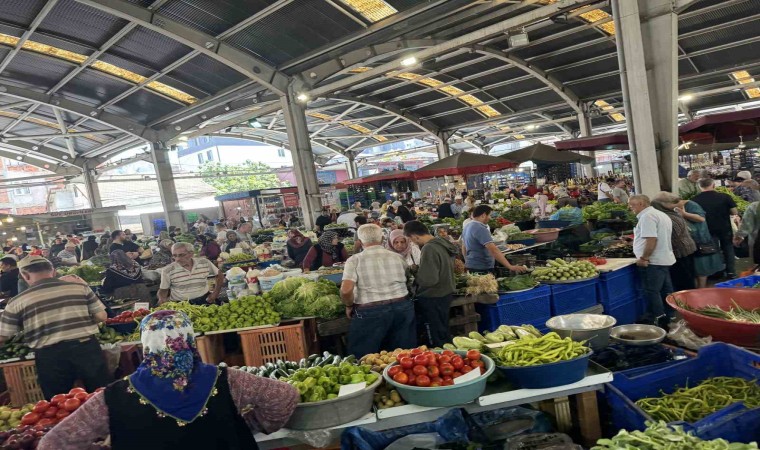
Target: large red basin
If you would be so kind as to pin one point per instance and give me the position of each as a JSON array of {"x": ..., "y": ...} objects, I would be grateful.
[{"x": 743, "y": 334}]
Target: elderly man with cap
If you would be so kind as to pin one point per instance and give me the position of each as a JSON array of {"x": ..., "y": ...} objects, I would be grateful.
[
  {"x": 60, "y": 323},
  {"x": 746, "y": 187},
  {"x": 8, "y": 276},
  {"x": 69, "y": 255}
]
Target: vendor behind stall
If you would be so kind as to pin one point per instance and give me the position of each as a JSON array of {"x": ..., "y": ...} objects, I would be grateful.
[
  {"x": 88, "y": 247},
  {"x": 233, "y": 241},
  {"x": 209, "y": 248},
  {"x": 69, "y": 255},
  {"x": 63, "y": 336},
  {"x": 480, "y": 251},
  {"x": 124, "y": 279},
  {"x": 186, "y": 279},
  {"x": 174, "y": 400},
  {"x": 120, "y": 242},
  {"x": 163, "y": 256},
  {"x": 298, "y": 246},
  {"x": 326, "y": 252}
]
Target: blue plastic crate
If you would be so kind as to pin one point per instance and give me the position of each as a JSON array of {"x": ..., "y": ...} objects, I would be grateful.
[
  {"x": 740, "y": 282},
  {"x": 529, "y": 307},
  {"x": 625, "y": 309},
  {"x": 734, "y": 423},
  {"x": 617, "y": 284},
  {"x": 569, "y": 298},
  {"x": 554, "y": 223}
]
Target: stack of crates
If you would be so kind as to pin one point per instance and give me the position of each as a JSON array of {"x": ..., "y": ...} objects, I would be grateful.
[
  {"x": 619, "y": 295},
  {"x": 569, "y": 298},
  {"x": 531, "y": 307}
]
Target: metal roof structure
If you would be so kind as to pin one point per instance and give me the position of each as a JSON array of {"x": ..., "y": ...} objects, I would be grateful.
[{"x": 83, "y": 80}]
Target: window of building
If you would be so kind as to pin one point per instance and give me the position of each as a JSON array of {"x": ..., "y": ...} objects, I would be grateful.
[
  {"x": 281, "y": 152},
  {"x": 209, "y": 155},
  {"x": 200, "y": 158},
  {"x": 22, "y": 191}
]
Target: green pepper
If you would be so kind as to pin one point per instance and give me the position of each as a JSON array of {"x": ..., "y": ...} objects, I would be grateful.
[
  {"x": 357, "y": 378},
  {"x": 316, "y": 394},
  {"x": 310, "y": 382},
  {"x": 325, "y": 382},
  {"x": 332, "y": 396},
  {"x": 347, "y": 369},
  {"x": 333, "y": 372},
  {"x": 345, "y": 379},
  {"x": 315, "y": 372},
  {"x": 370, "y": 378},
  {"x": 365, "y": 368},
  {"x": 301, "y": 387}
]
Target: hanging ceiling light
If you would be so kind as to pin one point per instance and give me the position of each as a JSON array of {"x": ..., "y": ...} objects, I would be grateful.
[{"x": 410, "y": 61}]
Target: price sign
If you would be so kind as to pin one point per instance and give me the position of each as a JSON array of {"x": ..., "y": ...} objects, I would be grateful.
[
  {"x": 141, "y": 305},
  {"x": 290, "y": 201}
]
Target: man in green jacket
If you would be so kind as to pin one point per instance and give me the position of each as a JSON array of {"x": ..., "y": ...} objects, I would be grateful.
[{"x": 434, "y": 281}]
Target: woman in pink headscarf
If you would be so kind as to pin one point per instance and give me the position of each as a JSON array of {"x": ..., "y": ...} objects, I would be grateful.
[{"x": 400, "y": 244}]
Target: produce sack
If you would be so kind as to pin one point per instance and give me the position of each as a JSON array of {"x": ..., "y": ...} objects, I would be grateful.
[{"x": 452, "y": 427}]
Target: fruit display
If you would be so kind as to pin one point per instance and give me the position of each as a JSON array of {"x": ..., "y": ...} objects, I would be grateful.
[
  {"x": 741, "y": 204},
  {"x": 108, "y": 335},
  {"x": 478, "y": 341},
  {"x": 14, "y": 348},
  {"x": 283, "y": 369},
  {"x": 561, "y": 270},
  {"x": 530, "y": 350},
  {"x": 316, "y": 384},
  {"x": 597, "y": 261},
  {"x": 89, "y": 273},
  {"x": 520, "y": 237},
  {"x": 240, "y": 257},
  {"x": 248, "y": 311},
  {"x": 51, "y": 412},
  {"x": 606, "y": 211},
  {"x": 11, "y": 417},
  {"x": 385, "y": 397},
  {"x": 692, "y": 404},
  {"x": 300, "y": 297},
  {"x": 379, "y": 361},
  {"x": 661, "y": 436},
  {"x": 428, "y": 369},
  {"x": 185, "y": 237},
  {"x": 517, "y": 283},
  {"x": 517, "y": 214},
  {"x": 481, "y": 284},
  {"x": 128, "y": 317}
]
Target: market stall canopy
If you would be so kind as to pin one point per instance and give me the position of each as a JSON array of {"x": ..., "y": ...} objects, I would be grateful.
[
  {"x": 463, "y": 163},
  {"x": 696, "y": 148},
  {"x": 730, "y": 127},
  {"x": 611, "y": 141},
  {"x": 391, "y": 175},
  {"x": 545, "y": 154}
]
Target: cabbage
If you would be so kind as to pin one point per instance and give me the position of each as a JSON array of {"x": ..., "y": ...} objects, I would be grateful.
[{"x": 284, "y": 290}]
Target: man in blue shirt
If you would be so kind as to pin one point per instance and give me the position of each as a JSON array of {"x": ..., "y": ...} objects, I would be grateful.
[{"x": 480, "y": 251}]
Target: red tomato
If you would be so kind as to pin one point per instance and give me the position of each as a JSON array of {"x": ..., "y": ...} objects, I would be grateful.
[
  {"x": 82, "y": 396},
  {"x": 71, "y": 404},
  {"x": 61, "y": 414},
  {"x": 50, "y": 412},
  {"x": 448, "y": 353},
  {"x": 30, "y": 418},
  {"x": 433, "y": 371},
  {"x": 431, "y": 359},
  {"x": 457, "y": 362},
  {"x": 402, "y": 355},
  {"x": 41, "y": 407},
  {"x": 77, "y": 390},
  {"x": 412, "y": 379},
  {"x": 435, "y": 384},
  {"x": 401, "y": 378},
  {"x": 89, "y": 396},
  {"x": 423, "y": 381},
  {"x": 421, "y": 360},
  {"x": 406, "y": 363},
  {"x": 466, "y": 369},
  {"x": 58, "y": 399},
  {"x": 445, "y": 360},
  {"x": 420, "y": 370},
  {"x": 447, "y": 383},
  {"x": 456, "y": 375},
  {"x": 477, "y": 363},
  {"x": 437, "y": 380},
  {"x": 46, "y": 422},
  {"x": 394, "y": 370},
  {"x": 446, "y": 370},
  {"x": 416, "y": 351},
  {"x": 473, "y": 355},
  {"x": 447, "y": 378}
]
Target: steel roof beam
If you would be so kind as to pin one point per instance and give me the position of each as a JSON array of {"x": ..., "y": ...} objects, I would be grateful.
[
  {"x": 46, "y": 8},
  {"x": 203, "y": 43}
]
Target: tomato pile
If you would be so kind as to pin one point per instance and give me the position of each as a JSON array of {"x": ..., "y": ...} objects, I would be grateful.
[
  {"x": 597, "y": 261},
  {"x": 128, "y": 317},
  {"x": 428, "y": 369},
  {"x": 58, "y": 408}
]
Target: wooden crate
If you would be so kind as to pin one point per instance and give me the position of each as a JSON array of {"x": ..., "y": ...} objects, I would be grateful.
[
  {"x": 21, "y": 379},
  {"x": 286, "y": 342},
  {"x": 211, "y": 348}
]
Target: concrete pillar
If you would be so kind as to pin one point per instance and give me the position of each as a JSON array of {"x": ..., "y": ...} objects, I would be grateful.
[
  {"x": 648, "y": 59},
  {"x": 586, "y": 130},
  {"x": 91, "y": 187},
  {"x": 166, "y": 187},
  {"x": 353, "y": 168},
  {"x": 294, "y": 114},
  {"x": 442, "y": 146}
]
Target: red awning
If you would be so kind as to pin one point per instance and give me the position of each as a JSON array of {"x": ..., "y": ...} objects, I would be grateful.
[
  {"x": 463, "y": 163},
  {"x": 730, "y": 127},
  {"x": 391, "y": 175},
  {"x": 611, "y": 141},
  {"x": 355, "y": 181}
]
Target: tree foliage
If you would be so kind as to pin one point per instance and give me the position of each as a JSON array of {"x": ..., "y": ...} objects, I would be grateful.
[{"x": 252, "y": 175}]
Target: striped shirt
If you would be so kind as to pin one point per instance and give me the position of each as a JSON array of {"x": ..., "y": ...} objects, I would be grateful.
[
  {"x": 379, "y": 274},
  {"x": 187, "y": 284},
  {"x": 51, "y": 311}
]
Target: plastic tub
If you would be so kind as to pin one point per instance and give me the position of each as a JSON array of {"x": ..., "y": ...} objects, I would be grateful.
[
  {"x": 594, "y": 328},
  {"x": 745, "y": 282},
  {"x": 331, "y": 413},
  {"x": 336, "y": 278},
  {"x": 553, "y": 223},
  {"x": 526, "y": 242},
  {"x": 743, "y": 334},
  {"x": 267, "y": 283},
  {"x": 548, "y": 375},
  {"x": 545, "y": 234},
  {"x": 443, "y": 396}
]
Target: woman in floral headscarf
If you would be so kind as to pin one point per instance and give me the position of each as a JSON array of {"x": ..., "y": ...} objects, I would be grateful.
[
  {"x": 175, "y": 401},
  {"x": 326, "y": 252}
]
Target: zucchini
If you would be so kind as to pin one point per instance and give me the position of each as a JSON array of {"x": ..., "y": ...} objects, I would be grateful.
[
  {"x": 336, "y": 361},
  {"x": 326, "y": 361},
  {"x": 316, "y": 362},
  {"x": 302, "y": 363},
  {"x": 351, "y": 359}
]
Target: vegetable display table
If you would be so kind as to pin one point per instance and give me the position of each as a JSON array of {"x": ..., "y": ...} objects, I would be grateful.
[{"x": 495, "y": 397}]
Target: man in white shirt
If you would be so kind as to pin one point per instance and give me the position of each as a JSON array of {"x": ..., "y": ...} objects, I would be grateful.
[
  {"x": 375, "y": 292},
  {"x": 654, "y": 255},
  {"x": 186, "y": 279},
  {"x": 604, "y": 191},
  {"x": 347, "y": 219}
]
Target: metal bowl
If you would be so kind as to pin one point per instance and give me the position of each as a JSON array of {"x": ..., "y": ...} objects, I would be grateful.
[
  {"x": 638, "y": 334},
  {"x": 593, "y": 328}
]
